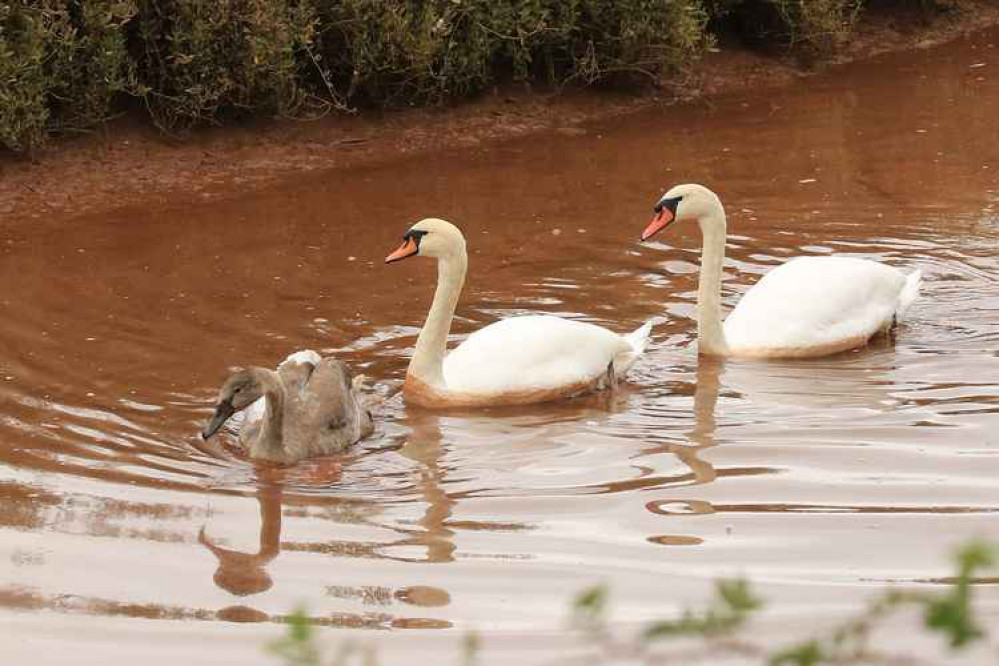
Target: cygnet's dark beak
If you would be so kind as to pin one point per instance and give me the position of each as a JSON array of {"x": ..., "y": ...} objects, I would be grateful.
[{"x": 222, "y": 413}]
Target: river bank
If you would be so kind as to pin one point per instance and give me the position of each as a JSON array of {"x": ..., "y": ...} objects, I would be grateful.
[{"x": 127, "y": 162}]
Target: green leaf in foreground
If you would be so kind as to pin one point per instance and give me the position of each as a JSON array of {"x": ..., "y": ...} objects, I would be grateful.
[
  {"x": 734, "y": 601},
  {"x": 590, "y": 606},
  {"x": 298, "y": 646},
  {"x": 952, "y": 614},
  {"x": 808, "y": 653},
  {"x": 949, "y": 613}
]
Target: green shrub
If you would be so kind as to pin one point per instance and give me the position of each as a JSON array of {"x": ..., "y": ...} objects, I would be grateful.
[
  {"x": 64, "y": 64},
  {"x": 429, "y": 51},
  {"x": 88, "y": 62},
  {"x": 947, "y": 5},
  {"x": 23, "y": 112},
  {"x": 636, "y": 37},
  {"x": 536, "y": 37},
  {"x": 197, "y": 59},
  {"x": 61, "y": 64},
  {"x": 391, "y": 53},
  {"x": 809, "y": 28},
  {"x": 818, "y": 27},
  {"x": 378, "y": 52}
]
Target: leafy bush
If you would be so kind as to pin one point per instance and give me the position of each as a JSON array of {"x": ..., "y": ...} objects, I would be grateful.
[
  {"x": 817, "y": 27},
  {"x": 392, "y": 52},
  {"x": 197, "y": 59},
  {"x": 941, "y": 5},
  {"x": 637, "y": 37},
  {"x": 61, "y": 64},
  {"x": 810, "y": 28},
  {"x": 88, "y": 59},
  {"x": 417, "y": 52},
  {"x": 64, "y": 64},
  {"x": 23, "y": 110}
]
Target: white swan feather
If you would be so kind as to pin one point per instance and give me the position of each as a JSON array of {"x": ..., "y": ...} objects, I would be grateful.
[
  {"x": 538, "y": 352},
  {"x": 813, "y": 302}
]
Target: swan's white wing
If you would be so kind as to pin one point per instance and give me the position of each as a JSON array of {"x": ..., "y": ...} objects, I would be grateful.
[
  {"x": 815, "y": 301},
  {"x": 532, "y": 352}
]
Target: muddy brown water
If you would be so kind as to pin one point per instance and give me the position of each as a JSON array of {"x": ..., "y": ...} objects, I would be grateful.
[{"x": 123, "y": 537}]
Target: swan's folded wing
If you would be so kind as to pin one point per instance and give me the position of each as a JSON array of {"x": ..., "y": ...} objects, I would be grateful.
[
  {"x": 812, "y": 302},
  {"x": 532, "y": 352},
  {"x": 326, "y": 401}
]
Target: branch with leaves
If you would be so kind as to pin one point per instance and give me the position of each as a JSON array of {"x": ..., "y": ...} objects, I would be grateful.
[{"x": 949, "y": 613}]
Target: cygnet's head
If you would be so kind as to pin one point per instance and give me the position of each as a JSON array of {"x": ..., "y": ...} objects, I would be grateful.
[
  {"x": 430, "y": 238},
  {"x": 682, "y": 202},
  {"x": 239, "y": 391}
]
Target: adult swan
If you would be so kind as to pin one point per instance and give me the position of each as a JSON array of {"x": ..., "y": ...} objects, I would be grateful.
[
  {"x": 515, "y": 361},
  {"x": 809, "y": 306}
]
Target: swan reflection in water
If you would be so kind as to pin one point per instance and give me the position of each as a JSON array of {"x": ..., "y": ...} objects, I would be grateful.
[{"x": 245, "y": 574}]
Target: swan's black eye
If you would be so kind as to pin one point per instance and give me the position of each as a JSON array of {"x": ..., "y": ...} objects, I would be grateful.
[
  {"x": 670, "y": 204},
  {"x": 416, "y": 234}
]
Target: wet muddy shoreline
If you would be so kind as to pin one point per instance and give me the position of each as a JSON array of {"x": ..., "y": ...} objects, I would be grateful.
[{"x": 129, "y": 163}]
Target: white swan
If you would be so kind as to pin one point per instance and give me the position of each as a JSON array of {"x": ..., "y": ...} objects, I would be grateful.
[
  {"x": 809, "y": 306},
  {"x": 308, "y": 407},
  {"x": 514, "y": 361}
]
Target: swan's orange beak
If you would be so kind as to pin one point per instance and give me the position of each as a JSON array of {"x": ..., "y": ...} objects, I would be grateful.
[
  {"x": 662, "y": 220},
  {"x": 407, "y": 249}
]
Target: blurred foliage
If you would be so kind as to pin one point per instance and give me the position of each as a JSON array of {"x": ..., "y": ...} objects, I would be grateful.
[
  {"x": 734, "y": 603},
  {"x": 66, "y": 65},
  {"x": 298, "y": 646},
  {"x": 949, "y": 613}
]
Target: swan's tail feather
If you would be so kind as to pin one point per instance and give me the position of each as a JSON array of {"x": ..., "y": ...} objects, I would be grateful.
[
  {"x": 909, "y": 293},
  {"x": 638, "y": 339}
]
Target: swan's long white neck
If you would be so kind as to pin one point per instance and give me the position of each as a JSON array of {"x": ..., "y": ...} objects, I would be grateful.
[
  {"x": 428, "y": 357},
  {"x": 710, "y": 333}
]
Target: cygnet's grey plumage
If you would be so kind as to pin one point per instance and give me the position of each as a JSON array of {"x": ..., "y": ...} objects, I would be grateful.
[{"x": 310, "y": 407}]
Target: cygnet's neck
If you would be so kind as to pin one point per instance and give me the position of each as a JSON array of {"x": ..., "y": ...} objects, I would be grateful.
[{"x": 270, "y": 441}]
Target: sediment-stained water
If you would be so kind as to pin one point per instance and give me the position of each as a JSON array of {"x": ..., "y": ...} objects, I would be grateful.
[{"x": 124, "y": 537}]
